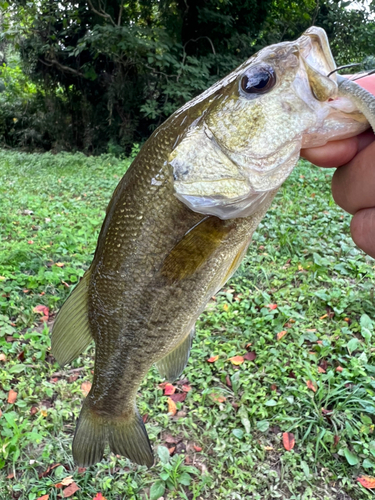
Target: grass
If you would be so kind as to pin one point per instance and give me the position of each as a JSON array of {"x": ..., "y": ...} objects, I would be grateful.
[{"x": 302, "y": 275}]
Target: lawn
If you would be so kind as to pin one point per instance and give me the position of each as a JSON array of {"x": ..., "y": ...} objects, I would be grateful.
[{"x": 285, "y": 347}]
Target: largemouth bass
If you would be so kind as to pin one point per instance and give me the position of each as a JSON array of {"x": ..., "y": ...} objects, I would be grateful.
[{"x": 179, "y": 223}]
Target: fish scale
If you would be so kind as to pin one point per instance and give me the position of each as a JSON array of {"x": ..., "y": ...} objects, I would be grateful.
[{"x": 178, "y": 225}]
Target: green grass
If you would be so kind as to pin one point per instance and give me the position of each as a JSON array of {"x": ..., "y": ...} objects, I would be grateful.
[{"x": 302, "y": 259}]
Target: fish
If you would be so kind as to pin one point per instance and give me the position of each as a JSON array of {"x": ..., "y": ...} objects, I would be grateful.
[{"x": 179, "y": 223}]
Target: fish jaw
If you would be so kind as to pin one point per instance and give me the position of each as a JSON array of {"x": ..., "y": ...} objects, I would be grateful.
[{"x": 244, "y": 146}]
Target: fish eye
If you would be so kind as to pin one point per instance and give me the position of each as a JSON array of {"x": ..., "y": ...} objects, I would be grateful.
[{"x": 258, "y": 80}]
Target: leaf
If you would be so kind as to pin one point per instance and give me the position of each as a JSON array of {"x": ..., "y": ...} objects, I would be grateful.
[
  {"x": 263, "y": 425},
  {"x": 3, "y": 357},
  {"x": 288, "y": 440},
  {"x": 184, "y": 479},
  {"x": 367, "y": 464},
  {"x": 12, "y": 396},
  {"x": 186, "y": 388},
  {"x": 367, "y": 482},
  {"x": 238, "y": 433},
  {"x": 270, "y": 402},
  {"x": 178, "y": 398},
  {"x": 41, "y": 309},
  {"x": 59, "y": 264},
  {"x": 311, "y": 385},
  {"x": 44, "y": 497},
  {"x": 197, "y": 448},
  {"x": 281, "y": 334},
  {"x": 99, "y": 496},
  {"x": 242, "y": 413},
  {"x": 163, "y": 453},
  {"x": 351, "y": 457},
  {"x": 85, "y": 388},
  {"x": 250, "y": 356},
  {"x": 157, "y": 489},
  {"x": 217, "y": 398},
  {"x": 237, "y": 360},
  {"x": 272, "y": 307},
  {"x": 70, "y": 490},
  {"x": 321, "y": 370},
  {"x": 352, "y": 345},
  {"x": 65, "y": 482},
  {"x": 212, "y": 359},
  {"x": 172, "y": 408},
  {"x": 169, "y": 389}
]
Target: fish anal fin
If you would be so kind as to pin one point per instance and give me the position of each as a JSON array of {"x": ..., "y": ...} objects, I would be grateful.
[
  {"x": 195, "y": 248},
  {"x": 71, "y": 331},
  {"x": 173, "y": 364}
]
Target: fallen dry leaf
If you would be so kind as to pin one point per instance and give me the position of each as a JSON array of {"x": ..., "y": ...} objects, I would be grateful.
[
  {"x": 311, "y": 385},
  {"x": 186, "y": 388},
  {"x": 180, "y": 397},
  {"x": 60, "y": 264},
  {"x": 367, "y": 482},
  {"x": 225, "y": 307},
  {"x": 281, "y": 334},
  {"x": 99, "y": 496},
  {"x": 217, "y": 398},
  {"x": 288, "y": 440},
  {"x": 339, "y": 369},
  {"x": 70, "y": 490},
  {"x": 44, "y": 497},
  {"x": 46, "y": 472},
  {"x": 172, "y": 408},
  {"x": 271, "y": 307},
  {"x": 324, "y": 316},
  {"x": 65, "y": 482},
  {"x": 169, "y": 389},
  {"x": 12, "y": 396},
  {"x": 237, "y": 360},
  {"x": 85, "y": 388},
  {"x": 336, "y": 440},
  {"x": 43, "y": 413},
  {"x": 212, "y": 359},
  {"x": 33, "y": 410},
  {"x": 10, "y": 476},
  {"x": 273, "y": 387},
  {"x": 197, "y": 448},
  {"x": 41, "y": 309},
  {"x": 250, "y": 356},
  {"x": 171, "y": 450},
  {"x": 321, "y": 370},
  {"x": 3, "y": 357}
]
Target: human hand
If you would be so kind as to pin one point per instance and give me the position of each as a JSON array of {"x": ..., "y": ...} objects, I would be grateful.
[{"x": 353, "y": 183}]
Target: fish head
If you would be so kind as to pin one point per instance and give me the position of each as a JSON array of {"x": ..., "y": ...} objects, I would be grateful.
[{"x": 252, "y": 125}]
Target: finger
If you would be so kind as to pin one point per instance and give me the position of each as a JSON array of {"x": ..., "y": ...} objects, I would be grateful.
[
  {"x": 362, "y": 228},
  {"x": 353, "y": 185},
  {"x": 332, "y": 154}
]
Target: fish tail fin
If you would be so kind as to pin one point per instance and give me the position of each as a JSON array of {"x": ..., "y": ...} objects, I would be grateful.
[
  {"x": 90, "y": 437},
  {"x": 128, "y": 437}
]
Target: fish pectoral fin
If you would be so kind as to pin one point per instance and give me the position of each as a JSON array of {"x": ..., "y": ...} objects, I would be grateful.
[
  {"x": 71, "y": 331},
  {"x": 128, "y": 437},
  {"x": 195, "y": 248},
  {"x": 173, "y": 364}
]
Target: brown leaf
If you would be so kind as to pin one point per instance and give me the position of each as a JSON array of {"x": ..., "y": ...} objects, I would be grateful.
[
  {"x": 367, "y": 482},
  {"x": 237, "y": 360},
  {"x": 180, "y": 397},
  {"x": 3, "y": 357},
  {"x": 172, "y": 408},
  {"x": 41, "y": 309},
  {"x": 324, "y": 316},
  {"x": 73, "y": 378},
  {"x": 70, "y": 490},
  {"x": 33, "y": 410},
  {"x": 339, "y": 369},
  {"x": 311, "y": 385},
  {"x": 273, "y": 387},
  {"x": 271, "y": 307},
  {"x": 217, "y": 398},
  {"x": 186, "y": 388},
  {"x": 250, "y": 356},
  {"x": 169, "y": 439},
  {"x": 46, "y": 472},
  {"x": 12, "y": 396},
  {"x": 321, "y": 370},
  {"x": 171, "y": 450},
  {"x": 169, "y": 389},
  {"x": 228, "y": 381},
  {"x": 197, "y": 448},
  {"x": 336, "y": 440},
  {"x": 281, "y": 334},
  {"x": 81, "y": 470},
  {"x": 145, "y": 417},
  {"x": 10, "y": 476},
  {"x": 65, "y": 482},
  {"x": 212, "y": 359},
  {"x": 85, "y": 388},
  {"x": 60, "y": 264},
  {"x": 288, "y": 440},
  {"x": 44, "y": 497}
]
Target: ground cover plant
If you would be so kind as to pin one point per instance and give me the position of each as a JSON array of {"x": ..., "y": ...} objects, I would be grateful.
[{"x": 278, "y": 398}]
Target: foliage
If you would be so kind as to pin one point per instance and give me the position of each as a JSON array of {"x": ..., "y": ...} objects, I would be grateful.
[
  {"x": 302, "y": 276},
  {"x": 107, "y": 72}
]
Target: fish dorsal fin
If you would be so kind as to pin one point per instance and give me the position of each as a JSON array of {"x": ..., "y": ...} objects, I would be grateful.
[
  {"x": 71, "y": 331},
  {"x": 172, "y": 365},
  {"x": 195, "y": 248}
]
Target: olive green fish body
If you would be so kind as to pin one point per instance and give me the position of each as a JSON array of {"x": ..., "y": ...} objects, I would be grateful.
[{"x": 179, "y": 223}]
